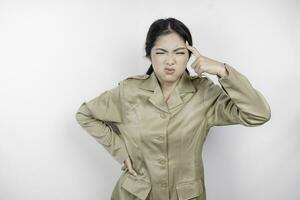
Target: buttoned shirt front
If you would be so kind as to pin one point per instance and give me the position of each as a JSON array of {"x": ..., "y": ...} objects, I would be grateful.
[{"x": 165, "y": 140}]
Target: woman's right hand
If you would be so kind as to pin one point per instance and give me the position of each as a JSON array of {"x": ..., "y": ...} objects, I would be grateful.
[{"x": 127, "y": 165}]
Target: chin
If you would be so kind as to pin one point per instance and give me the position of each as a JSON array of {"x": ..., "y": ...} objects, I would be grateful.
[{"x": 171, "y": 78}]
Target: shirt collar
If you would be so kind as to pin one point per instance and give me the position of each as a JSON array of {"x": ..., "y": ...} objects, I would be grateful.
[{"x": 184, "y": 85}]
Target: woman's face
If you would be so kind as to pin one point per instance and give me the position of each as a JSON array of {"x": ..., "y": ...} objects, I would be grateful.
[{"x": 169, "y": 57}]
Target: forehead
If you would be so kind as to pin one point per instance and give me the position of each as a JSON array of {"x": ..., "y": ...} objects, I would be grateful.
[{"x": 171, "y": 40}]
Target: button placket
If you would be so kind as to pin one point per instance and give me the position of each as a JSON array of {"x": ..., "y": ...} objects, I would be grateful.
[
  {"x": 163, "y": 163},
  {"x": 165, "y": 116}
]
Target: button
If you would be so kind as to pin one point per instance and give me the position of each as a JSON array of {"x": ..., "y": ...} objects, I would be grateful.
[
  {"x": 163, "y": 184},
  {"x": 163, "y": 115},
  {"x": 161, "y": 161},
  {"x": 161, "y": 138}
]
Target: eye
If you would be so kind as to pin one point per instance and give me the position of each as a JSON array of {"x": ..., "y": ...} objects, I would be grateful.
[
  {"x": 159, "y": 53},
  {"x": 180, "y": 53}
]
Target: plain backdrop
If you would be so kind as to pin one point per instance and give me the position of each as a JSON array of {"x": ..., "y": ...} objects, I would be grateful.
[{"x": 56, "y": 54}]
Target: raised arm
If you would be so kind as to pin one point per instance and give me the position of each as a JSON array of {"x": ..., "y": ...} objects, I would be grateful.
[
  {"x": 235, "y": 102},
  {"x": 94, "y": 115}
]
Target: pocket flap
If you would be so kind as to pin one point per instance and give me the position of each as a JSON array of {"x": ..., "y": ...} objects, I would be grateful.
[
  {"x": 189, "y": 189},
  {"x": 136, "y": 186}
]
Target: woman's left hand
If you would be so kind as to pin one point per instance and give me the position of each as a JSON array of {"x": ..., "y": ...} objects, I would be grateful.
[{"x": 204, "y": 64}]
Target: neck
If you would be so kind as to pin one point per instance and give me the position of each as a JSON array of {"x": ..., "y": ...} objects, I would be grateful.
[{"x": 167, "y": 88}]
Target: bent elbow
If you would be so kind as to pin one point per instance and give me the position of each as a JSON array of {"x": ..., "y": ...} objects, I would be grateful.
[
  {"x": 83, "y": 115},
  {"x": 264, "y": 112},
  {"x": 79, "y": 118},
  {"x": 266, "y": 115},
  {"x": 251, "y": 120}
]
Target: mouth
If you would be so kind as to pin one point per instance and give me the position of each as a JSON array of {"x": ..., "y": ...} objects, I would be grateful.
[{"x": 169, "y": 70}]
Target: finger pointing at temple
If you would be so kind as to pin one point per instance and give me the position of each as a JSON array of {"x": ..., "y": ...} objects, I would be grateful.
[{"x": 194, "y": 51}]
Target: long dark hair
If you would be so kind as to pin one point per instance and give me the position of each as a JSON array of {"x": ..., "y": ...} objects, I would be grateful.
[{"x": 163, "y": 27}]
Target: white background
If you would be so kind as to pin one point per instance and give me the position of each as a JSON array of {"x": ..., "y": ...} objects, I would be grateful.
[{"x": 56, "y": 54}]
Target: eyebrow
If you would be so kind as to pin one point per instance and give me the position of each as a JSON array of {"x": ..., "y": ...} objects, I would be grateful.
[{"x": 174, "y": 49}]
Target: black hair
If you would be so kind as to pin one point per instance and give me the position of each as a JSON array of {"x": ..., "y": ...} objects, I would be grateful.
[{"x": 163, "y": 27}]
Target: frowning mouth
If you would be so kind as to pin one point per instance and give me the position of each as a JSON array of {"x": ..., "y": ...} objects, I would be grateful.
[{"x": 169, "y": 70}]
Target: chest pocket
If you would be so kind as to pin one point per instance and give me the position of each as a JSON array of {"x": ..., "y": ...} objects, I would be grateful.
[{"x": 190, "y": 189}]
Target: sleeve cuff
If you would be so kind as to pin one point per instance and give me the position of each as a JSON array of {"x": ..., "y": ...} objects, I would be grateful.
[
  {"x": 229, "y": 70},
  {"x": 231, "y": 76}
]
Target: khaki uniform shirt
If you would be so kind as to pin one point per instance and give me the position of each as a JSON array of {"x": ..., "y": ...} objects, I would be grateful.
[{"x": 165, "y": 140}]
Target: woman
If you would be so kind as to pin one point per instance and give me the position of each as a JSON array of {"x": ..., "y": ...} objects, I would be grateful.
[{"x": 156, "y": 124}]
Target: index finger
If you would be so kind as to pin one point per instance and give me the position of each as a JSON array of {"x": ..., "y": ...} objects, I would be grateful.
[{"x": 194, "y": 51}]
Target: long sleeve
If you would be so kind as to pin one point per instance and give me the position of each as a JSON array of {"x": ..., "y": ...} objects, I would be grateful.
[
  {"x": 235, "y": 102},
  {"x": 93, "y": 117}
]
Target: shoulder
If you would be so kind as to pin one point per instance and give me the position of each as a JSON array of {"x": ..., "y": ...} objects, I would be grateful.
[
  {"x": 138, "y": 77},
  {"x": 200, "y": 82},
  {"x": 205, "y": 85},
  {"x": 135, "y": 79},
  {"x": 132, "y": 82},
  {"x": 211, "y": 89}
]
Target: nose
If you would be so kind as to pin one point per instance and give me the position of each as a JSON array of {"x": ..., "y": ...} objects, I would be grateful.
[{"x": 170, "y": 60}]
